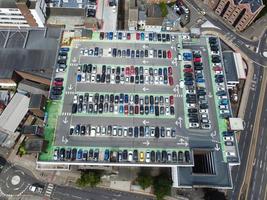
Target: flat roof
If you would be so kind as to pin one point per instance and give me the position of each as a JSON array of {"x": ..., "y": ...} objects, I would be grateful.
[
  {"x": 236, "y": 124},
  {"x": 29, "y": 50},
  {"x": 230, "y": 66},
  {"x": 14, "y": 112}
]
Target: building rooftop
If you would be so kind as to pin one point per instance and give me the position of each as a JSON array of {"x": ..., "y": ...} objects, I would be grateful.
[
  {"x": 154, "y": 11},
  {"x": 14, "y": 112},
  {"x": 8, "y": 4},
  {"x": 230, "y": 66},
  {"x": 29, "y": 50},
  {"x": 133, "y": 14},
  {"x": 34, "y": 144},
  {"x": 37, "y": 101},
  {"x": 254, "y": 4},
  {"x": 32, "y": 87}
]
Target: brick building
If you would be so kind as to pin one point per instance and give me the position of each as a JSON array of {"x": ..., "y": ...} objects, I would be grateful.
[
  {"x": 22, "y": 13},
  {"x": 238, "y": 13}
]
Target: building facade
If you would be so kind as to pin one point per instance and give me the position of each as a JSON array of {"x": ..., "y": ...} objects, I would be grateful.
[
  {"x": 22, "y": 13},
  {"x": 238, "y": 13}
]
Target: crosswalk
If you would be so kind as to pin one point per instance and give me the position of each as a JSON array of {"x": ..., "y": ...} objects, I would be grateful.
[
  {"x": 69, "y": 92},
  {"x": 66, "y": 114},
  {"x": 49, "y": 190}
]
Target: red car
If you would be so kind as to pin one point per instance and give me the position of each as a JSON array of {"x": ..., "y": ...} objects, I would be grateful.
[
  {"x": 137, "y": 36},
  {"x": 132, "y": 71},
  {"x": 197, "y": 59},
  {"x": 169, "y": 54},
  {"x": 56, "y": 83},
  {"x": 136, "y": 110},
  {"x": 128, "y": 36},
  {"x": 171, "y": 100},
  {"x": 217, "y": 68},
  {"x": 127, "y": 71},
  {"x": 188, "y": 70},
  {"x": 126, "y": 110},
  {"x": 170, "y": 80},
  {"x": 170, "y": 70}
]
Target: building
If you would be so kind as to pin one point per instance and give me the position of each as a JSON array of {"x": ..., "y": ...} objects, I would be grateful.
[
  {"x": 22, "y": 13},
  {"x": 28, "y": 54},
  {"x": 32, "y": 130},
  {"x": 238, "y": 13},
  {"x": 234, "y": 69},
  {"x": 11, "y": 118},
  {"x": 35, "y": 144},
  {"x": 154, "y": 19},
  {"x": 31, "y": 87},
  {"x": 133, "y": 16},
  {"x": 37, "y": 105}
]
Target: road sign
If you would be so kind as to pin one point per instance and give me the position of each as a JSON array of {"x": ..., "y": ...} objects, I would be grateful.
[
  {"x": 145, "y": 122},
  {"x": 70, "y": 87},
  {"x": 146, "y": 143},
  {"x": 145, "y": 89},
  {"x": 217, "y": 148},
  {"x": 65, "y": 120}
]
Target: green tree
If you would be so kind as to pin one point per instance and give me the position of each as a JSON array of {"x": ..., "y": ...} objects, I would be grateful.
[
  {"x": 89, "y": 178},
  {"x": 162, "y": 186},
  {"x": 144, "y": 180},
  {"x": 22, "y": 151},
  {"x": 164, "y": 9}
]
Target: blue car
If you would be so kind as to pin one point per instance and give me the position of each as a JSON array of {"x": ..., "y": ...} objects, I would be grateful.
[
  {"x": 151, "y": 109},
  {"x": 65, "y": 49},
  {"x": 110, "y": 35},
  {"x": 188, "y": 83},
  {"x": 79, "y": 154},
  {"x": 160, "y": 72},
  {"x": 227, "y": 133},
  {"x": 224, "y": 102},
  {"x": 142, "y": 36},
  {"x": 126, "y": 98},
  {"x": 106, "y": 156},
  {"x": 79, "y": 78},
  {"x": 200, "y": 80},
  {"x": 121, "y": 109}
]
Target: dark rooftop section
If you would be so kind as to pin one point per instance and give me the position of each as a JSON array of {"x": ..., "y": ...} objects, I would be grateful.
[
  {"x": 221, "y": 177},
  {"x": 7, "y": 4},
  {"x": 34, "y": 145},
  {"x": 229, "y": 66},
  {"x": 28, "y": 50},
  {"x": 254, "y": 4},
  {"x": 37, "y": 101}
]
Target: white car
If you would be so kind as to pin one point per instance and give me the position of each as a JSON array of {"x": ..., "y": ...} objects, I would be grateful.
[
  {"x": 223, "y": 107},
  {"x": 181, "y": 84},
  {"x": 224, "y": 112},
  {"x": 228, "y": 138},
  {"x": 230, "y": 153},
  {"x": 75, "y": 99},
  {"x": 150, "y": 53},
  {"x": 148, "y": 156},
  {"x": 191, "y": 105},
  {"x": 130, "y": 156},
  {"x": 203, "y": 111},
  {"x": 83, "y": 77},
  {"x": 204, "y": 115},
  {"x": 93, "y": 131},
  {"x": 193, "y": 125},
  {"x": 206, "y": 126},
  {"x": 223, "y": 97}
]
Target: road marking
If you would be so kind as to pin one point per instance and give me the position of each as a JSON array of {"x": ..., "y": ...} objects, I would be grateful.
[{"x": 76, "y": 196}]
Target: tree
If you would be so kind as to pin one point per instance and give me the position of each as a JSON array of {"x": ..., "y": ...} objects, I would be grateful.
[
  {"x": 144, "y": 180},
  {"x": 162, "y": 186},
  {"x": 89, "y": 178},
  {"x": 22, "y": 150},
  {"x": 164, "y": 9}
]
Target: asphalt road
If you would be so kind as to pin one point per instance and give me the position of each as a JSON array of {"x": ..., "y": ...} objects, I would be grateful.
[
  {"x": 19, "y": 186},
  {"x": 245, "y": 139},
  {"x": 67, "y": 193}
]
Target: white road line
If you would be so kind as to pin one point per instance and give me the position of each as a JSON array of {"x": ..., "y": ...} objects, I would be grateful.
[{"x": 76, "y": 197}]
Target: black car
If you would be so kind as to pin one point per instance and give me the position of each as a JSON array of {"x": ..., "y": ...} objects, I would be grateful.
[
  {"x": 192, "y": 110},
  {"x": 125, "y": 155},
  {"x": 62, "y": 154},
  {"x": 158, "y": 156},
  {"x": 142, "y": 132},
  {"x": 187, "y": 156},
  {"x": 164, "y": 156},
  {"x": 130, "y": 132},
  {"x": 74, "y": 108},
  {"x": 172, "y": 110},
  {"x": 157, "y": 110},
  {"x": 157, "y": 132},
  {"x": 203, "y": 106},
  {"x": 174, "y": 156},
  {"x": 152, "y": 156},
  {"x": 135, "y": 155},
  {"x": 136, "y": 131},
  {"x": 73, "y": 154},
  {"x": 180, "y": 156}
]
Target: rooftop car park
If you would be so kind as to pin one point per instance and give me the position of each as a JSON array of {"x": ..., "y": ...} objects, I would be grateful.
[{"x": 145, "y": 99}]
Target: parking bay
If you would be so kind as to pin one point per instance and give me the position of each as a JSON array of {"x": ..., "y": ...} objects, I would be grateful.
[{"x": 63, "y": 128}]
